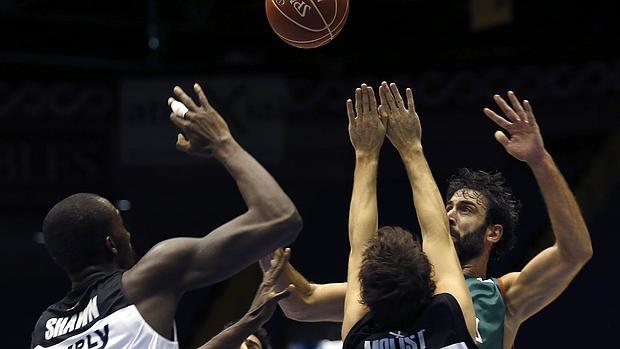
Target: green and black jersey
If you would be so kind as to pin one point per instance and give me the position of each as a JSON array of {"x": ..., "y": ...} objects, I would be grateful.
[{"x": 487, "y": 296}]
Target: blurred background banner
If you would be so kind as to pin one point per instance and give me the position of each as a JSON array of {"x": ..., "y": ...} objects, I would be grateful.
[{"x": 83, "y": 90}]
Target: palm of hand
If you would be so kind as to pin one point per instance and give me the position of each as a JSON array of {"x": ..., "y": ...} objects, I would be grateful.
[{"x": 525, "y": 141}]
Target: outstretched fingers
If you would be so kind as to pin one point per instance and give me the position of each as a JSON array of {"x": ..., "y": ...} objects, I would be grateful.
[
  {"x": 529, "y": 112},
  {"x": 187, "y": 100},
  {"x": 358, "y": 102},
  {"x": 204, "y": 102},
  {"x": 389, "y": 97},
  {"x": 350, "y": 111},
  {"x": 365, "y": 101},
  {"x": 372, "y": 99},
  {"x": 516, "y": 105},
  {"x": 281, "y": 258},
  {"x": 410, "y": 102},
  {"x": 508, "y": 111},
  {"x": 397, "y": 97},
  {"x": 500, "y": 121}
]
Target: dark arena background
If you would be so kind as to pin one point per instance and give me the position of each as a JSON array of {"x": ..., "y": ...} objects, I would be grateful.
[{"x": 83, "y": 89}]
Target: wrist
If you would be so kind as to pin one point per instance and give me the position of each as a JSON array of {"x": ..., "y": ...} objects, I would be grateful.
[
  {"x": 366, "y": 156},
  {"x": 411, "y": 150},
  {"x": 249, "y": 322},
  {"x": 225, "y": 148},
  {"x": 539, "y": 160}
]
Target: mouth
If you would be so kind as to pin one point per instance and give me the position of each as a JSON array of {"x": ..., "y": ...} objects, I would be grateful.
[{"x": 455, "y": 235}]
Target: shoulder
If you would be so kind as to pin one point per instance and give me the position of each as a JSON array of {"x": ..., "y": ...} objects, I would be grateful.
[
  {"x": 362, "y": 329},
  {"x": 507, "y": 281},
  {"x": 444, "y": 302}
]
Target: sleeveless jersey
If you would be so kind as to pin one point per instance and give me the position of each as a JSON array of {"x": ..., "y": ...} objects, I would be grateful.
[
  {"x": 490, "y": 311},
  {"x": 440, "y": 325},
  {"x": 102, "y": 318}
]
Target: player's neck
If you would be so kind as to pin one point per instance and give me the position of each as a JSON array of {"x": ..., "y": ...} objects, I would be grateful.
[
  {"x": 85, "y": 275},
  {"x": 476, "y": 267}
]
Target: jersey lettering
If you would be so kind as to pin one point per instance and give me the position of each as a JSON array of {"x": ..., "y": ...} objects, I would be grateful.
[
  {"x": 59, "y": 326},
  {"x": 96, "y": 340}
]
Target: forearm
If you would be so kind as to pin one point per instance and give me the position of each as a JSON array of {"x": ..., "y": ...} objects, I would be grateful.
[
  {"x": 569, "y": 227},
  {"x": 363, "y": 212},
  {"x": 427, "y": 200},
  {"x": 234, "y": 336},
  {"x": 320, "y": 302},
  {"x": 259, "y": 190}
]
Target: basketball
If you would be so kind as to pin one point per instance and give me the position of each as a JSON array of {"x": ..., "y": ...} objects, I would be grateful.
[{"x": 307, "y": 23}]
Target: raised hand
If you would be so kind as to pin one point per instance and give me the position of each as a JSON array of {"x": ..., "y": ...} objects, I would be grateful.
[
  {"x": 366, "y": 128},
  {"x": 404, "y": 129},
  {"x": 267, "y": 297},
  {"x": 525, "y": 142},
  {"x": 203, "y": 130}
]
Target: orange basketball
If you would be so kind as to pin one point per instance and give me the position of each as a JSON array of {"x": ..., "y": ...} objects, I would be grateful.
[{"x": 307, "y": 23}]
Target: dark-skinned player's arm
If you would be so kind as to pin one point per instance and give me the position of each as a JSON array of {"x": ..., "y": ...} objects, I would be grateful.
[
  {"x": 405, "y": 133},
  {"x": 548, "y": 274},
  {"x": 178, "y": 265},
  {"x": 264, "y": 304},
  {"x": 367, "y": 132},
  {"x": 308, "y": 301}
]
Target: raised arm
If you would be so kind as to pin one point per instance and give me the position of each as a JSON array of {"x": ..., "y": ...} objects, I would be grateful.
[
  {"x": 308, "y": 302},
  {"x": 548, "y": 274},
  {"x": 262, "y": 308},
  {"x": 405, "y": 133},
  {"x": 177, "y": 265},
  {"x": 367, "y": 133}
]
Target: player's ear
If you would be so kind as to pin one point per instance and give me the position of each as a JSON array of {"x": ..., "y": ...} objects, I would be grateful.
[
  {"x": 494, "y": 233},
  {"x": 111, "y": 245}
]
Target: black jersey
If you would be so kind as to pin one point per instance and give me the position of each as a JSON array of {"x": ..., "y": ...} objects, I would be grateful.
[
  {"x": 440, "y": 325},
  {"x": 96, "y": 316}
]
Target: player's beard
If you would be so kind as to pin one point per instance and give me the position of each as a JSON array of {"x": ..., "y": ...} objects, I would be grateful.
[{"x": 470, "y": 246}]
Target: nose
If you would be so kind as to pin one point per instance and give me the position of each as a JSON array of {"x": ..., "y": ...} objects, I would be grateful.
[{"x": 452, "y": 216}]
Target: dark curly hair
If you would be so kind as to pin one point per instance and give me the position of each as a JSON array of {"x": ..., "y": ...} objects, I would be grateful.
[
  {"x": 395, "y": 277},
  {"x": 260, "y": 333},
  {"x": 503, "y": 206}
]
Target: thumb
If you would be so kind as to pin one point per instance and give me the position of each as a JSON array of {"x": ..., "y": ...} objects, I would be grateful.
[
  {"x": 284, "y": 293},
  {"x": 501, "y": 137},
  {"x": 382, "y": 112},
  {"x": 182, "y": 142}
]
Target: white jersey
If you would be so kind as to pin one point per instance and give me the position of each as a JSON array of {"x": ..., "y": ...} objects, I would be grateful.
[{"x": 102, "y": 318}]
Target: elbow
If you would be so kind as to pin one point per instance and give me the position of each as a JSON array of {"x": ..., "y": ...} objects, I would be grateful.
[
  {"x": 579, "y": 255},
  {"x": 294, "y": 223},
  {"x": 587, "y": 253},
  {"x": 287, "y": 226}
]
